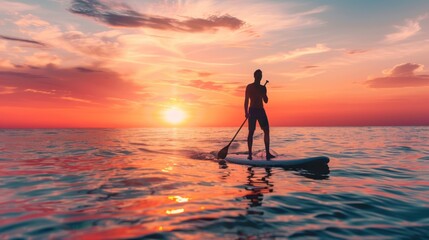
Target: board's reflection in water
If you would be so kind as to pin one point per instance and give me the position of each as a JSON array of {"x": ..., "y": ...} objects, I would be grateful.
[
  {"x": 259, "y": 183},
  {"x": 318, "y": 172}
]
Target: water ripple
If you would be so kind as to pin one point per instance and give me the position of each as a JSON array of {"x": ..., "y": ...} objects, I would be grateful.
[{"x": 166, "y": 184}]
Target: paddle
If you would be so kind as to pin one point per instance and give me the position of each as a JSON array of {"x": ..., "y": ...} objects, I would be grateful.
[{"x": 224, "y": 151}]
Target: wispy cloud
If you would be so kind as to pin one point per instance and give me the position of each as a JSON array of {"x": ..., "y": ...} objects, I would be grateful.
[
  {"x": 207, "y": 85},
  {"x": 6, "y": 90},
  {"x": 356, "y": 51},
  {"x": 319, "y": 48},
  {"x": 31, "y": 20},
  {"x": 42, "y": 33},
  {"x": 194, "y": 72},
  {"x": 42, "y": 59},
  {"x": 402, "y": 75},
  {"x": 75, "y": 99},
  {"x": 13, "y": 6},
  {"x": 122, "y": 15},
  {"x": 38, "y": 91},
  {"x": 307, "y": 73},
  {"x": 22, "y": 40},
  {"x": 91, "y": 44},
  {"x": 310, "y": 66},
  {"x": 409, "y": 29}
]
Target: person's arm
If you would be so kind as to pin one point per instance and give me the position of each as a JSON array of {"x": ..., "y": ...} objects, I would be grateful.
[
  {"x": 265, "y": 95},
  {"x": 246, "y": 103}
]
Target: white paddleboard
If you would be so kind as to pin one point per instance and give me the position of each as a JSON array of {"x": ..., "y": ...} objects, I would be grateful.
[{"x": 277, "y": 162}]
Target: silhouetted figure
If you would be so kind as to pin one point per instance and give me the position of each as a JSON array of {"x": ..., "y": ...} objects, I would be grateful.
[{"x": 257, "y": 93}]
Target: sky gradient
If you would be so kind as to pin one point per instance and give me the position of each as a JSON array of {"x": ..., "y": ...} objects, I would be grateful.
[{"x": 111, "y": 63}]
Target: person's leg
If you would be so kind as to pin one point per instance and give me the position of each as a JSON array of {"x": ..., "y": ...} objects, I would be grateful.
[
  {"x": 267, "y": 143},
  {"x": 263, "y": 122},
  {"x": 250, "y": 142},
  {"x": 267, "y": 140},
  {"x": 252, "y": 126}
]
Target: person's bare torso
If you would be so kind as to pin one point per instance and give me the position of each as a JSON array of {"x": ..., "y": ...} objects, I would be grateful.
[{"x": 256, "y": 94}]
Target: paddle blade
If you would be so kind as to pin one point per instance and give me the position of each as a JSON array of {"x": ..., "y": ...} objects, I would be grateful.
[{"x": 223, "y": 152}]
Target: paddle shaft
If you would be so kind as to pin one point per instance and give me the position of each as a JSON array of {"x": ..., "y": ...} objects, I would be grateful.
[{"x": 232, "y": 140}]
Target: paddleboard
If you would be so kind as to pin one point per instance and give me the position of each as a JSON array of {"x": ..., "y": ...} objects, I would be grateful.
[{"x": 278, "y": 162}]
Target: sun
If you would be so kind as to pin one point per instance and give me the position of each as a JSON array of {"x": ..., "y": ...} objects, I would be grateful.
[{"x": 174, "y": 115}]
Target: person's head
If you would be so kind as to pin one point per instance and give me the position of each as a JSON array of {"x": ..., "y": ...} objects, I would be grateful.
[{"x": 258, "y": 75}]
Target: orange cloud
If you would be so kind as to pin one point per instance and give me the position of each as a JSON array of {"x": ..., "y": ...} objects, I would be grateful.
[
  {"x": 31, "y": 20},
  {"x": 239, "y": 91},
  {"x": 90, "y": 44},
  {"x": 199, "y": 73},
  {"x": 208, "y": 85},
  {"x": 42, "y": 59},
  {"x": 95, "y": 45},
  {"x": 189, "y": 97},
  {"x": 402, "y": 75},
  {"x": 310, "y": 66},
  {"x": 6, "y": 90},
  {"x": 356, "y": 51},
  {"x": 71, "y": 86},
  {"x": 122, "y": 15}
]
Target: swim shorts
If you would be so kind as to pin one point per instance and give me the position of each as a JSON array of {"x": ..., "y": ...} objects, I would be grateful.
[{"x": 260, "y": 115}]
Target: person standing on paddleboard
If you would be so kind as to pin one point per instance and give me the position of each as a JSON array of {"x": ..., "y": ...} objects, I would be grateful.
[{"x": 256, "y": 112}]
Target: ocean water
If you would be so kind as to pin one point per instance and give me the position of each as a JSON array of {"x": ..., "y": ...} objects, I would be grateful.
[{"x": 166, "y": 184}]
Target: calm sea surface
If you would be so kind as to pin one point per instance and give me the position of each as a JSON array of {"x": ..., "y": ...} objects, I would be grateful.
[{"x": 165, "y": 183}]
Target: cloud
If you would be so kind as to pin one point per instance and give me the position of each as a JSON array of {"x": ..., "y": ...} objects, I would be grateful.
[
  {"x": 319, "y": 48},
  {"x": 6, "y": 90},
  {"x": 13, "y": 74},
  {"x": 95, "y": 45},
  {"x": 239, "y": 91},
  {"x": 22, "y": 40},
  {"x": 411, "y": 28},
  {"x": 307, "y": 73},
  {"x": 310, "y": 66},
  {"x": 207, "y": 85},
  {"x": 91, "y": 44},
  {"x": 402, "y": 75},
  {"x": 5, "y": 63},
  {"x": 198, "y": 73},
  {"x": 356, "y": 51},
  {"x": 76, "y": 99},
  {"x": 404, "y": 70},
  {"x": 87, "y": 70},
  {"x": 76, "y": 86},
  {"x": 189, "y": 97},
  {"x": 122, "y": 15},
  {"x": 31, "y": 20},
  {"x": 13, "y": 6},
  {"x": 42, "y": 59},
  {"x": 37, "y": 91}
]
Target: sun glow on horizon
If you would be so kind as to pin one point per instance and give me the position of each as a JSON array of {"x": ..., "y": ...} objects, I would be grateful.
[{"x": 174, "y": 115}]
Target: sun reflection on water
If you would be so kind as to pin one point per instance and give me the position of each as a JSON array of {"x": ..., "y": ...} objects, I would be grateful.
[
  {"x": 167, "y": 169},
  {"x": 175, "y": 211},
  {"x": 179, "y": 199}
]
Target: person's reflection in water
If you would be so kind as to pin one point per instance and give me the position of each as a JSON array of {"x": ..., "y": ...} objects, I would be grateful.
[{"x": 258, "y": 184}]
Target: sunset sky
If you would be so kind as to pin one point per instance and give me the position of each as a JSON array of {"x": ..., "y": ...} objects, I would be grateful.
[{"x": 117, "y": 63}]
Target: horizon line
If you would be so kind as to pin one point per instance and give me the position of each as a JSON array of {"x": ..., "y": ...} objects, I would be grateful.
[{"x": 187, "y": 127}]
